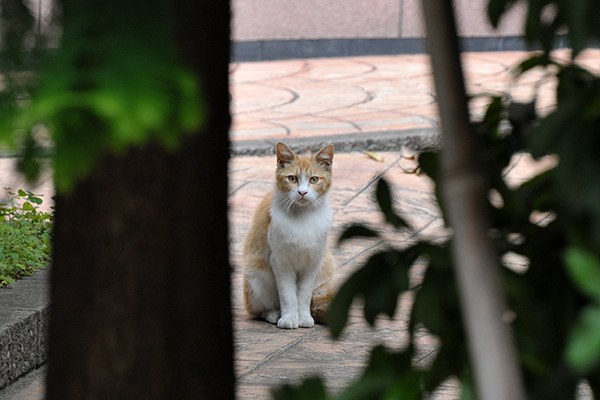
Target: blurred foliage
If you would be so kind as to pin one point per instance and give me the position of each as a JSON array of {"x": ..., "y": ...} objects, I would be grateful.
[
  {"x": 25, "y": 232},
  {"x": 547, "y": 19},
  {"x": 114, "y": 80},
  {"x": 550, "y": 222}
]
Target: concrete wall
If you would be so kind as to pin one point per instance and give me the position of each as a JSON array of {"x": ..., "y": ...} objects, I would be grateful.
[
  {"x": 262, "y": 20},
  {"x": 279, "y": 29}
]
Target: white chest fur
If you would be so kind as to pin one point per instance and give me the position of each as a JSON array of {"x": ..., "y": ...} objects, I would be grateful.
[{"x": 303, "y": 230}]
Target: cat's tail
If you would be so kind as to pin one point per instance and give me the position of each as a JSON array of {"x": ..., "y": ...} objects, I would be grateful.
[
  {"x": 323, "y": 293},
  {"x": 320, "y": 305}
]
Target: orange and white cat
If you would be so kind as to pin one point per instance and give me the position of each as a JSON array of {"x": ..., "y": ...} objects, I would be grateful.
[{"x": 287, "y": 265}]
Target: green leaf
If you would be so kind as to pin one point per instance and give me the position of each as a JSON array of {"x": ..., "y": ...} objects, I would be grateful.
[
  {"x": 105, "y": 88},
  {"x": 385, "y": 277},
  {"x": 494, "y": 112},
  {"x": 386, "y": 204},
  {"x": 545, "y": 137},
  {"x": 379, "y": 282},
  {"x": 310, "y": 389},
  {"x": 496, "y": 9},
  {"x": 337, "y": 314},
  {"x": 584, "y": 270},
  {"x": 583, "y": 348},
  {"x": 467, "y": 389},
  {"x": 28, "y": 207},
  {"x": 429, "y": 163},
  {"x": 538, "y": 60},
  {"x": 436, "y": 300},
  {"x": 576, "y": 18},
  {"x": 6, "y": 280},
  {"x": 357, "y": 231},
  {"x": 521, "y": 115},
  {"x": 35, "y": 199},
  {"x": 575, "y": 82},
  {"x": 388, "y": 375}
]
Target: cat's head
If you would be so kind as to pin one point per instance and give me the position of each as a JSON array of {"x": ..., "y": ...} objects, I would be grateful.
[{"x": 303, "y": 181}]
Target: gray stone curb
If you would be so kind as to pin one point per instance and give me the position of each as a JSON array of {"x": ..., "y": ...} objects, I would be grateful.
[
  {"x": 424, "y": 139},
  {"x": 282, "y": 49},
  {"x": 24, "y": 310}
]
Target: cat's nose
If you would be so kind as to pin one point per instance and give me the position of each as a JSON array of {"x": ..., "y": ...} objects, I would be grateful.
[{"x": 302, "y": 193}]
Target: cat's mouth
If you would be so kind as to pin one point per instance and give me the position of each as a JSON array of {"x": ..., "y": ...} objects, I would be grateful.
[{"x": 302, "y": 201}]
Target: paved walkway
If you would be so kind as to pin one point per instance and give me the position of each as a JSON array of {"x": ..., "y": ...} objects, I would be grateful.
[
  {"x": 267, "y": 356},
  {"x": 349, "y": 100},
  {"x": 300, "y": 98}
]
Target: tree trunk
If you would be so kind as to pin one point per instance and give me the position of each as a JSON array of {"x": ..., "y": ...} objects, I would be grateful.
[
  {"x": 141, "y": 278},
  {"x": 492, "y": 350}
]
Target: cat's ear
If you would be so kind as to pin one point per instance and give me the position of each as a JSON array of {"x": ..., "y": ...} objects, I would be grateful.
[
  {"x": 285, "y": 155},
  {"x": 325, "y": 156}
]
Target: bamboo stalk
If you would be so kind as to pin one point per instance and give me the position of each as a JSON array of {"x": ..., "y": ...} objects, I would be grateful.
[{"x": 492, "y": 352}]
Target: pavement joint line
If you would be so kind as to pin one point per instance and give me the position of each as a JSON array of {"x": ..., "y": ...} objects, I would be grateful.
[
  {"x": 318, "y": 328},
  {"x": 239, "y": 187},
  {"x": 362, "y": 252},
  {"x": 417, "y": 233},
  {"x": 374, "y": 179}
]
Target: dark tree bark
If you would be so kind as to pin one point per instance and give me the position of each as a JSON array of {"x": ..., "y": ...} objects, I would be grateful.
[{"x": 141, "y": 277}]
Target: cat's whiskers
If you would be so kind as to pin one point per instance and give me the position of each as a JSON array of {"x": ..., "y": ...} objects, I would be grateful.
[
  {"x": 318, "y": 202},
  {"x": 289, "y": 202}
]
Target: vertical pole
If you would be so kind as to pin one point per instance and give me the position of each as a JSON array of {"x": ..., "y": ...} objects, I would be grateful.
[{"x": 492, "y": 352}]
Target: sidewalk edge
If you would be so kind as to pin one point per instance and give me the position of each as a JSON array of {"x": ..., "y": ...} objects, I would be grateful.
[
  {"x": 24, "y": 318},
  {"x": 419, "y": 139}
]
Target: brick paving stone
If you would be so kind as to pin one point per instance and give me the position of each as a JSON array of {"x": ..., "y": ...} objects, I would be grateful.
[
  {"x": 280, "y": 100},
  {"x": 267, "y": 357},
  {"x": 336, "y": 95}
]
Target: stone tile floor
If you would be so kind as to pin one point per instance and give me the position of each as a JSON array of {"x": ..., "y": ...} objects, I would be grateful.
[
  {"x": 297, "y": 98},
  {"x": 282, "y": 100},
  {"x": 268, "y": 357}
]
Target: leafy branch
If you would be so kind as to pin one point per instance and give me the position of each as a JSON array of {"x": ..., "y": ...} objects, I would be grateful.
[
  {"x": 25, "y": 235},
  {"x": 552, "y": 302},
  {"x": 91, "y": 96}
]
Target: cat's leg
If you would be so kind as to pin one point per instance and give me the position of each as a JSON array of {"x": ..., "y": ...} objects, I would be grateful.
[
  {"x": 285, "y": 277},
  {"x": 260, "y": 295},
  {"x": 306, "y": 284},
  {"x": 271, "y": 316}
]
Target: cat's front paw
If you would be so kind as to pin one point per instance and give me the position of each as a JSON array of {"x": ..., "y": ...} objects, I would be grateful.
[
  {"x": 288, "y": 322},
  {"x": 271, "y": 316},
  {"x": 306, "y": 321}
]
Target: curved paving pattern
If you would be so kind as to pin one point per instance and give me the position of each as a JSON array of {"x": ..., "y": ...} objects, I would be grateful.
[
  {"x": 364, "y": 96},
  {"x": 397, "y": 94},
  {"x": 267, "y": 357},
  {"x": 359, "y": 95}
]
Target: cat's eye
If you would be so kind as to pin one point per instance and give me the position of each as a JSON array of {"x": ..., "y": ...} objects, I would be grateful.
[
  {"x": 292, "y": 178},
  {"x": 314, "y": 179}
]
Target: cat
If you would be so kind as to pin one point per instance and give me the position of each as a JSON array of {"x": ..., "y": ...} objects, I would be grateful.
[{"x": 287, "y": 264}]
